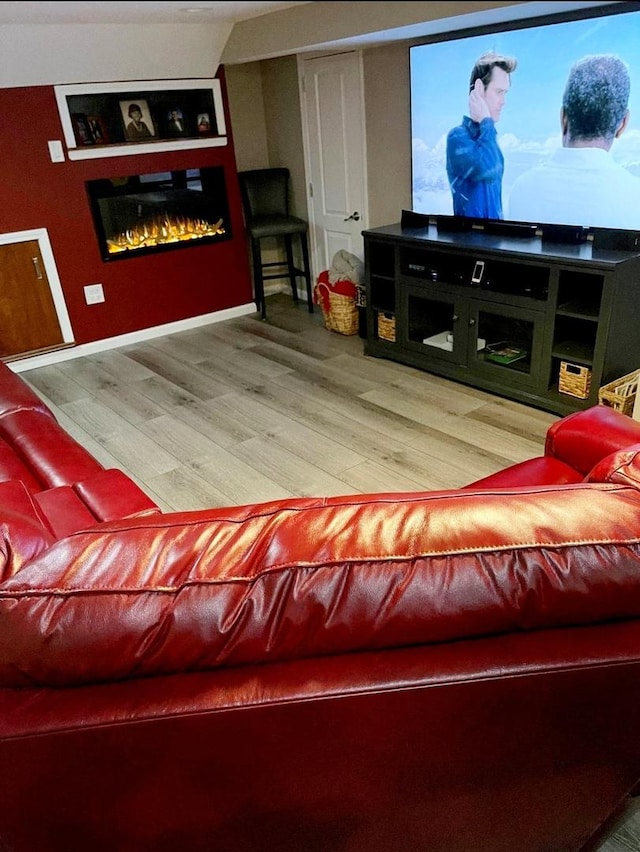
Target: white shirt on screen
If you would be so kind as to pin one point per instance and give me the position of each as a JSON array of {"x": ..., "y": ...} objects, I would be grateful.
[{"x": 577, "y": 186}]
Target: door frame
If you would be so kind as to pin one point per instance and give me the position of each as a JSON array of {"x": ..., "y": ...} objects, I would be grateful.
[
  {"x": 42, "y": 237},
  {"x": 317, "y": 263}
]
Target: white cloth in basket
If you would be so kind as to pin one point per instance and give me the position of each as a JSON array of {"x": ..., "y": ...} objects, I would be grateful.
[{"x": 346, "y": 266}]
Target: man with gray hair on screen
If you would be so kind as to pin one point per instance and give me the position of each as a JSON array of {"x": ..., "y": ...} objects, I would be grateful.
[{"x": 581, "y": 183}]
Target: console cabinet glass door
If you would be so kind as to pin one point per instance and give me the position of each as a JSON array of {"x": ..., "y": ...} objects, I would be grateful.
[
  {"x": 436, "y": 324},
  {"x": 506, "y": 343}
]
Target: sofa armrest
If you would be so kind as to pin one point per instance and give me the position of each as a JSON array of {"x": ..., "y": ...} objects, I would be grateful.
[
  {"x": 582, "y": 439},
  {"x": 200, "y": 590},
  {"x": 111, "y": 495}
]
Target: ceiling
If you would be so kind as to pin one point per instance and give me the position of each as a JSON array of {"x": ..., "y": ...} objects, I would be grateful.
[{"x": 165, "y": 12}]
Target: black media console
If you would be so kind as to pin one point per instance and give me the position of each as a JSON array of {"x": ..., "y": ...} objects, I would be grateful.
[{"x": 509, "y": 314}]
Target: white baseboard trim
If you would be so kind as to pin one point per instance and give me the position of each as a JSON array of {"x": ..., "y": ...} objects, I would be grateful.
[{"x": 48, "y": 358}]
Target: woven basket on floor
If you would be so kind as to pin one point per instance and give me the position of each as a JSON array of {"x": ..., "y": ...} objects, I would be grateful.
[{"x": 342, "y": 315}]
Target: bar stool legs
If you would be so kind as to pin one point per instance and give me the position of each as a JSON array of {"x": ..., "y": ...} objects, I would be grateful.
[
  {"x": 307, "y": 270},
  {"x": 258, "y": 282},
  {"x": 287, "y": 269},
  {"x": 290, "y": 267},
  {"x": 265, "y": 201}
]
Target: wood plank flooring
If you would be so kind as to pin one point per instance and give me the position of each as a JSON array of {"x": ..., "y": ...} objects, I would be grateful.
[{"x": 244, "y": 411}]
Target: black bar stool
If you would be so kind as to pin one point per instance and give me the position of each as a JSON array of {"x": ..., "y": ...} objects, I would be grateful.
[{"x": 265, "y": 200}]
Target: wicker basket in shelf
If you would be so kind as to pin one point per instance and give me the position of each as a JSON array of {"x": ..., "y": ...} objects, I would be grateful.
[
  {"x": 387, "y": 327},
  {"x": 574, "y": 380},
  {"x": 621, "y": 393}
]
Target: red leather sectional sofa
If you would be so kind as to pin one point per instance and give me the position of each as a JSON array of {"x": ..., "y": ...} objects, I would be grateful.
[{"x": 446, "y": 671}]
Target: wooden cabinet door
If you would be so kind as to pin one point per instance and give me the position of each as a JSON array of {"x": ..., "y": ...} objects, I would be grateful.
[{"x": 28, "y": 318}]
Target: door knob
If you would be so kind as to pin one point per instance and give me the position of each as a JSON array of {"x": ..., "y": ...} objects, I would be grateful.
[{"x": 355, "y": 216}]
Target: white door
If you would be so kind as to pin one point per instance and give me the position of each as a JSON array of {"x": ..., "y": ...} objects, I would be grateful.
[{"x": 332, "y": 106}]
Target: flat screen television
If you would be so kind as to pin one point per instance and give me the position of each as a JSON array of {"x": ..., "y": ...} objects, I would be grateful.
[{"x": 529, "y": 126}]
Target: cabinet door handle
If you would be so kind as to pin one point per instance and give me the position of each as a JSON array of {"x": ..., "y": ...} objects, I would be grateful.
[
  {"x": 36, "y": 266},
  {"x": 472, "y": 322},
  {"x": 455, "y": 318}
]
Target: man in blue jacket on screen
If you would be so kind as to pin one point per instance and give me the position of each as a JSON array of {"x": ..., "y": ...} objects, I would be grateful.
[{"x": 475, "y": 164}]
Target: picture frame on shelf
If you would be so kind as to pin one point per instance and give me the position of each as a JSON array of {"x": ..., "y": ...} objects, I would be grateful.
[
  {"x": 98, "y": 129},
  {"x": 175, "y": 122},
  {"x": 204, "y": 123},
  {"x": 137, "y": 121},
  {"x": 81, "y": 129}
]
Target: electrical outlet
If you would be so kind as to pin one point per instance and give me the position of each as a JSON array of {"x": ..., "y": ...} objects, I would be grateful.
[{"x": 93, "y": 294}]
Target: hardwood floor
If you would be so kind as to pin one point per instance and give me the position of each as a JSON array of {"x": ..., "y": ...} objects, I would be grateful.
[{"x": 244, "y": 411}]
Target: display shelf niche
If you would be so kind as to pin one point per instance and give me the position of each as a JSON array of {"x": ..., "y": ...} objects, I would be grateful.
[{"x": 93, "y": 116}]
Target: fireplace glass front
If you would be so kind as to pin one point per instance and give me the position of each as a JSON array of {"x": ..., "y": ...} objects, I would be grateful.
[{"x": 143, "y": 214}]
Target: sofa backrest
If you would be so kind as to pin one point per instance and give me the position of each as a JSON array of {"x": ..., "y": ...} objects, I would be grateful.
[
  {"x": 15, "y": 394},
  {"x": 296, "y": 579},
  {"x": 34, "y": 448}
]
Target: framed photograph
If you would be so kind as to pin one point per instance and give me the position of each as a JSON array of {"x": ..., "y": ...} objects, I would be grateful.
[
  {"x": 175, "y": 123},
  {"x": 81, "y": 129},
  {"x": 137, "y": 121},
  {"x": 204, "y": 122},
  {"x": 98, "y": 129}
]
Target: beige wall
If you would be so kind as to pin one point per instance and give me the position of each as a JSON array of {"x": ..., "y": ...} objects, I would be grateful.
[
  {"x": 284, "y": 125},
  {"x": 386, "y": 92},
  {"x": 248, "y": 122},
  {"x": 386, "y": 87},
  {"x": 264, "y": 105}
]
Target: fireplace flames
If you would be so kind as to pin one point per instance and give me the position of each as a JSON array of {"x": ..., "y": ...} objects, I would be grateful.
[{"x": 162, "y": 230}]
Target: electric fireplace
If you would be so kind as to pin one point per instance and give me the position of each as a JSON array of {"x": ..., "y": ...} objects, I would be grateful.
[{"x": 144, "y": 214}]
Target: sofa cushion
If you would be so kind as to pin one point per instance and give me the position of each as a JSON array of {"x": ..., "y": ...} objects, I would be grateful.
[
  {"x": 108, "y": 495},
  {"x": 63, "y": 511},
  {"x": 23, "y": 534},
  {"x": 545, "y": 470},
  {"x": 111, "y": 495},
  {"x": 621, "y": 467},
  {"x": 304, "y": 578}
]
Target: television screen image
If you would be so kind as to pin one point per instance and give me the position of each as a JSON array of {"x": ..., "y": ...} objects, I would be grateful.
[{"x": 506, "y": 148}]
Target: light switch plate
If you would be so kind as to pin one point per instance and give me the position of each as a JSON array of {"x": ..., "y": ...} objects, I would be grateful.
[{"x": 56, "y": 151}]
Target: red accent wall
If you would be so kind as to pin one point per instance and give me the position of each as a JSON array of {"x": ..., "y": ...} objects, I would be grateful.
[{"x": 139, "y": 292}]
